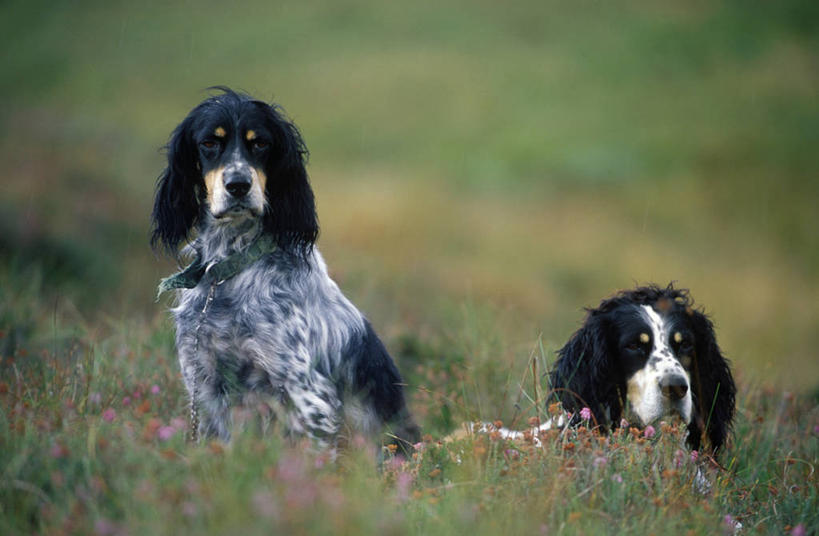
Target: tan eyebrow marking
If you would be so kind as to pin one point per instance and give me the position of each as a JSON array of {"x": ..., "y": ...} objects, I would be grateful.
[
  {"x": 251, "y": 135},
  {"x": 644, "y": 338},
  {"x": 678, "y": 337},
  {"x": 219, "y": 132}
]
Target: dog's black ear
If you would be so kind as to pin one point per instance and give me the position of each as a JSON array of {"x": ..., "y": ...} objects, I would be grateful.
[
  {"x": 177, "y": 204},
  {"x": 713, "y": 384},
  {"x": 291, "y": 210},
  {"x": 583, "y": 373}
]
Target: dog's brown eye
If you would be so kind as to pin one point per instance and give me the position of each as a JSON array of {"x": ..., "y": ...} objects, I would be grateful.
[
  {"x": 209, "y": 144},
  {"x": 260, "y": 144}
]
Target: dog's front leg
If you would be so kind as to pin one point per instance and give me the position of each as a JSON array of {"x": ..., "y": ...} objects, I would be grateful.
[
  {"x": 215, "y": 418},
  {"x": 315, "y": 408}
]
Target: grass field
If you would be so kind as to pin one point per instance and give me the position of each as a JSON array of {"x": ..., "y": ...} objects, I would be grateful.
[{"x": 482, "y": 172}]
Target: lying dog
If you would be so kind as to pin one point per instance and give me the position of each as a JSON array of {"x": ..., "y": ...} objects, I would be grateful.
[{"x": 643, "y": 354}]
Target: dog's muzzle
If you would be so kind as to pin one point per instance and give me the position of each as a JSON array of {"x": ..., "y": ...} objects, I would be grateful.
[{"x": 674, "y": 387}]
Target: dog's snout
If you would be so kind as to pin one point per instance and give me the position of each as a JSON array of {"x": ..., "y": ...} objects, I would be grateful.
[
  {"x": 237, "y": 183},
  {"x": 674, "y": 387}
]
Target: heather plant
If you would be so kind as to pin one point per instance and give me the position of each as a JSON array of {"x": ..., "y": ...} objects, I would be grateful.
[{"x": 94, "y": 442}]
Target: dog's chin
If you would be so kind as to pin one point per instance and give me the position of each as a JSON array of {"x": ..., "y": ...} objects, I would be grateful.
[
  {"x": 667, "y": 412},
  {"x": 236, "y": 214}
]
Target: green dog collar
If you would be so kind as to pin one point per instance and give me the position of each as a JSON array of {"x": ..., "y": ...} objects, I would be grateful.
[{"x": 218, "y": 271}]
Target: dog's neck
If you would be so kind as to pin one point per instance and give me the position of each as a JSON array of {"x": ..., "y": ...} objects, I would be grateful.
[{"x": 219, "y": 238}]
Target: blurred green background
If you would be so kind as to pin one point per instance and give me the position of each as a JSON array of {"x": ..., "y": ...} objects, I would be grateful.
[{"x": 478, "y": 166}]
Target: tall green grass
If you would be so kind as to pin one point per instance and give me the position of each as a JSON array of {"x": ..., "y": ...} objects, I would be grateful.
[{"x": 92, "y": 433}]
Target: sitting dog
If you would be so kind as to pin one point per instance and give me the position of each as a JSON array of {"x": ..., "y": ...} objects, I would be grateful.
[
  {"x": 257, "y": 314},
  {"x": 644, "y": 354}
]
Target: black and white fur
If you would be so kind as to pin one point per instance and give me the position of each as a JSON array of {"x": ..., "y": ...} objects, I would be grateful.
[
  {"x": 280, "y": 330},
  {"x": 644, "y": 354}
]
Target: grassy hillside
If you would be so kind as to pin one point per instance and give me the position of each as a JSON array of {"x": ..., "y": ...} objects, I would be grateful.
[{"x": 483, "y": 172}]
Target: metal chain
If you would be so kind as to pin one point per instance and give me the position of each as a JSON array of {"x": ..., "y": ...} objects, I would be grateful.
[{"x": 194, "y": 409}]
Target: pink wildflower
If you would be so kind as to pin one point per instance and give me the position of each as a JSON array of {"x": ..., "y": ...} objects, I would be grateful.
[
  {"x": 694, "y": 455},
  {"x": 59, "y": 451},
  {"x": 95, "y": 398},
  {"x": 799, "y": 530},
  {"x": 649, "y": 432},
  {"x": 623, "y": 423},
  {"x": 109, "y": 415},
  {"x": 395, "y": 463},
  {"x": 189, "y": 509},
  {"x": 154, "y": 389},
  {"x": 164, "y": 433},
  {"x": 600, "y": 461},
  {"x": 178, "y": 423},
  {"x": 126, "y": 401},
  {"x": 585, "y": 414},
  {"x": 617, "y": 478},
  {"x": 679, "y": 457},
  {"x": 291, "y": 469},
  {"x": 403, "y": 482},
  {"x": 104, "y": 527}
]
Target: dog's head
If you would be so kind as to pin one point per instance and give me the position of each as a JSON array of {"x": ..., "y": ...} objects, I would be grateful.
[
  {"x": 231, "y": 159},
  {"x": 650, "y": 352}
]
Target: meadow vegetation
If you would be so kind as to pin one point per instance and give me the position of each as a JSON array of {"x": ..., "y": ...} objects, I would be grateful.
[{"x": 482, "y": 173}]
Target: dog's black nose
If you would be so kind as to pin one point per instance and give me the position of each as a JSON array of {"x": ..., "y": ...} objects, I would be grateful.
[
  {"x": 237, "y": 184},
  {"x": 674, "y": 387}
]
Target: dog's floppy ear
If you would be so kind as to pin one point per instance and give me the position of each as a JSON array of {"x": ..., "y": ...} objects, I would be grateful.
[
  {"x": 582, "y": 375},
  {"x": 176, "y": 205},
  {"x": 291, "y": 211},
  {"x": 713, "y": 385}
]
